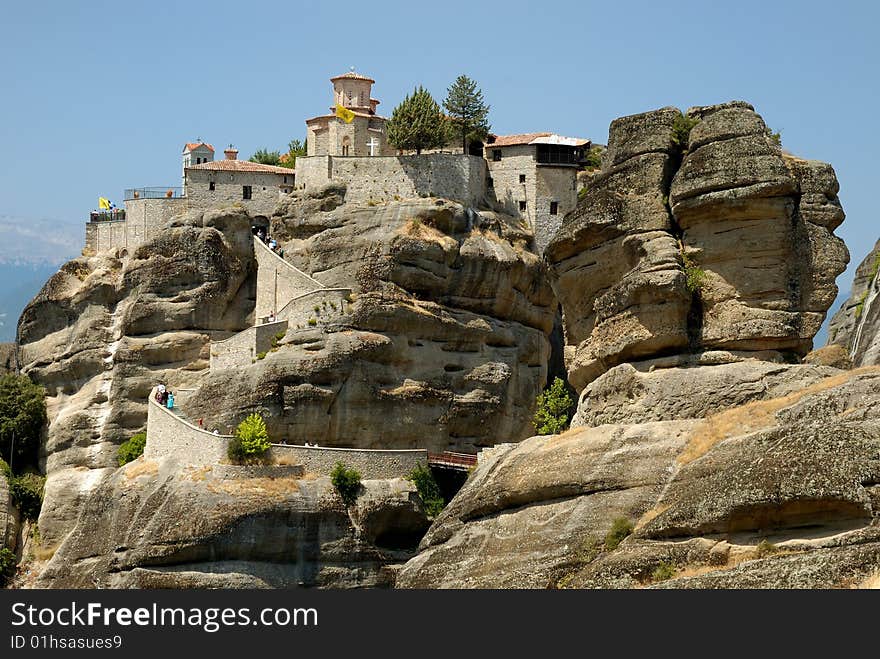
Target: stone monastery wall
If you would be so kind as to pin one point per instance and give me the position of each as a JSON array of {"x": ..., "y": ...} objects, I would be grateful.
[
  {"x": 452, "y": 176},
  {"x": 144, "y": 219},
  {"x": 291, "y": 282},
  {"x": 169, "y": 434}
]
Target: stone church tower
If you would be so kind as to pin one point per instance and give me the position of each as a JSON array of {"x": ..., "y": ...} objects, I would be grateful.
[{"x": 365, "y": 135}]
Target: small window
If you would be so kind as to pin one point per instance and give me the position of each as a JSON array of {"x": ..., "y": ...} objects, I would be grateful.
[
  {"x": 212, "y": 186},
  {"x": 246, "y": 192},
  {"x": 496, "y": 155},
  {"x": 522, "y": 205},
  {"x": 554, "y": 208},
  {"x": 285, "y": 179},
  {"x": 522, "y": 178}
]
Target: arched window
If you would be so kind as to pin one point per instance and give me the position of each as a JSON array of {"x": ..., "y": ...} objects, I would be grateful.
[
  {"x": 346, "y": 145},
  {"x": 361, "y": 100}
]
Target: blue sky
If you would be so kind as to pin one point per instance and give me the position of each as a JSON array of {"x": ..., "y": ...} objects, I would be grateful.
[{"x": 99, "y": 96}]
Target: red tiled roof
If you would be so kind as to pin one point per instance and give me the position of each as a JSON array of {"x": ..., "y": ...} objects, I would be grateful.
[
  {"x": 528, "y": 138},
  {"x": 511, "y": 140},
  {"x": 352, "y": 76},
  {"x": 190, "y": 146},
  {"x": 242, "y": 166}
]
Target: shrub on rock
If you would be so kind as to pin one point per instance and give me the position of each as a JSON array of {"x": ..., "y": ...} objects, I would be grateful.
[
  {"x": 251, "y": 441},
  {"x": 132, "y": 449},
  {"x": 347, "y": 482}
]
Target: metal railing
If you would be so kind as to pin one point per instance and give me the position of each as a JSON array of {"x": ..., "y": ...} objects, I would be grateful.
[
  {"x": 449, "y": 459},
  {"x": 107, "y": 216},
  {"x": 154, "y": 193}
]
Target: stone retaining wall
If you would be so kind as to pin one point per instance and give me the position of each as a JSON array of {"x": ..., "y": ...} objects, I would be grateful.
[
  {"x": 242, "y": 348},
  {"x": 144, "y": 219},
  {"x": 272, "y": 292},
  {"x": 381, "y": 178},
  {"x": 371, "y": 463},
  {"x": 169, "y": 434},
  {"x": 322, "y": 306}
]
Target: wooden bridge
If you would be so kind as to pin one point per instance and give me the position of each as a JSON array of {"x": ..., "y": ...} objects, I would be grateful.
[{"x": 450, "y": 460}]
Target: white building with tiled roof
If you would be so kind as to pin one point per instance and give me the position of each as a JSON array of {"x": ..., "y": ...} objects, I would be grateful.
[
  {"x": 253, "y": 185},
  {"x": 534, "y": 176}
]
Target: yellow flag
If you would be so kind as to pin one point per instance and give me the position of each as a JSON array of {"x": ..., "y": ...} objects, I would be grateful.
[
  {"x": 103, "y": 204},
  {"x": 344, "y": 113}
]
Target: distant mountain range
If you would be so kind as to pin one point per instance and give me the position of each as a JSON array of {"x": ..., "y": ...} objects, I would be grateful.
[{"x": 31, "y": 250}]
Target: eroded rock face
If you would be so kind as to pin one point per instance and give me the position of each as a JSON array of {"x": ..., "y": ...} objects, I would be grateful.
[
  {"x": 105, "y": 329},
  {"x": 725, "y": 245},
  {"x": 781, "y": 492},
  {"x": 444, "y": 346},
  {"x": 615, "y": 262},
  {"x": 658, "y": 391},
  {"x": 856, "y": 325},
  {"x": 8, "y": 358},
  {"x": 759, "y": 225},
  {"x": 138, "y": 530}
]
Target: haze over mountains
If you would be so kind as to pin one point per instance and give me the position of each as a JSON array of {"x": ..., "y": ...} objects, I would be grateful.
[{"x": 31, "y": 249}]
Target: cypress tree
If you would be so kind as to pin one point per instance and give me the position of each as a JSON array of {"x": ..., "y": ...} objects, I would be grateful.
[
  {"x": 467, "y": 111},
  {"x": 417, "y": 123}
]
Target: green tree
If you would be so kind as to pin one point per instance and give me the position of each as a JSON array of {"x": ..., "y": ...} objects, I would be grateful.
[
  {"x": 22, "y": 417},
  {"x": 554, "y": 405},
  {"x": 347, "y": 482},
  {"x": 251, "y": 441},
  {"x": 265, "y": 157},
  {"x": 7, "y": 566},
  {"x": 132, "y": 449},
  {"x": 467, "y": 111},
  {"x": 417, "y": 123},
  {"x": 295, "y": 149},
  {"x": 27, "y": 494},
  {"x": 429, "y": 491}
]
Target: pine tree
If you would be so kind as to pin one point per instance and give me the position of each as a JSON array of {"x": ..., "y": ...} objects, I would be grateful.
[
  {"x": 417, "y": 123},
  {"x": 466, "y": 109},
  {"x": 266, "y": 157}
]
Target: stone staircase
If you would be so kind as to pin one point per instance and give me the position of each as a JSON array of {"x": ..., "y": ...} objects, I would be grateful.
[{"x": 287, "y": 300}]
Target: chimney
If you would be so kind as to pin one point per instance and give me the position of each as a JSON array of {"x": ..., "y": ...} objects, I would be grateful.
[{"x": 231, "y": 153}]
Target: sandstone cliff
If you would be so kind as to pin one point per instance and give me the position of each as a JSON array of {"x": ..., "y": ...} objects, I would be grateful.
[
  {"x": 443, "y": 347},
  {"x": 169, "y": 525},
  {"x": 780, "y": 492},
  {"x": 105, "y": 329},
  {"x": 685, "y": 242},
  {"x": 856, "y": 325},
  {"x": 8, "y": 358}
]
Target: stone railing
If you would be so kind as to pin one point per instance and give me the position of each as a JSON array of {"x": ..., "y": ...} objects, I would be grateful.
[
  {"x": 278, "y": 281},
  {"x": 170, "y": 434},
  {"x": 315, "y": 308},
  {"x": 243, "y": 348},
  {"x": 371, "y": 463}
]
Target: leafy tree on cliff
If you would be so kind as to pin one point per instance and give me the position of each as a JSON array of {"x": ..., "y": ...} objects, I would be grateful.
[
  {"x": 265, "y": 157},
  {"x": 295, "y": 149},
  {"x": 553, "y": 407},
  {"x": 22, "y": 416},
  {"x": 417, "y": 123},
  {"x": 467, "y": 111}
]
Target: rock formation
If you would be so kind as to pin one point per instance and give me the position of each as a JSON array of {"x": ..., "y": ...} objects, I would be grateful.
[
  {"x": 725, "y": 244},
  {"x": 105, "y": 329},
  {"x": 692, "y": 277},
  {"x": 168, "y": 525},
  {"x": 856, "y": 325},
  {"x": 445, "y": 341},
  {"x": 778, "y": 492},
  {"x": 8, "y": 358}
]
